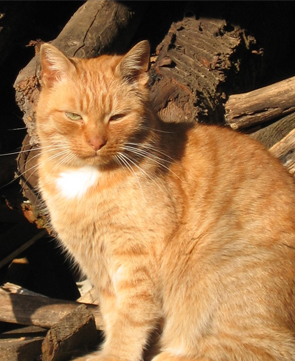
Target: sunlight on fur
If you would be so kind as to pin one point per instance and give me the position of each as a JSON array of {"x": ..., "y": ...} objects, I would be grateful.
[{"x": 186, "y": 231}]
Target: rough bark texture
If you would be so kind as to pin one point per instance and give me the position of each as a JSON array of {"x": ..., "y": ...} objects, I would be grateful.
[
  {"x": 198, "y": 63},
  {"x": 75, "y": 331},
  {"x": 261, "y": 105}
]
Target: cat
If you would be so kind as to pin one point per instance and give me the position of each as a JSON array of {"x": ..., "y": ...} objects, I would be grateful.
[{"x": 187, "y": 226}]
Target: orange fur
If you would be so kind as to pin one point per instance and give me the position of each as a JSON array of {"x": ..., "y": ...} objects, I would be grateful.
[{"x": 188, "y": 225}]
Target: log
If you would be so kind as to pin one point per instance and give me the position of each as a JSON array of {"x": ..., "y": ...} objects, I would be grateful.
[
  {"x": 284, "y": 150},
  {"x": 260, "y": 105},
  {"x": 39, "y": 310},
  {"x": 23, "y": 344},
  {"x": 193, "y": 74},
  {"x": 74, "y": 332},
  {"x": 273, "y": 133}
]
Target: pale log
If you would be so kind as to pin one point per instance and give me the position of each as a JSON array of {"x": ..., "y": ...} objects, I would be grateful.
[
  {"x": 39, "y": 310},
  {"x": 260, "y": 105},
  {"x": 284, "y": 150}
]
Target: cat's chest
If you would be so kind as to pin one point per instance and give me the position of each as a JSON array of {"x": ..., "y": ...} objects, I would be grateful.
[{"x": 74, "y": 184}]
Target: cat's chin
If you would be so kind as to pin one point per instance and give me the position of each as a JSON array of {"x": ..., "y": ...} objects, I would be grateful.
[{"x": 96, "y": 162}]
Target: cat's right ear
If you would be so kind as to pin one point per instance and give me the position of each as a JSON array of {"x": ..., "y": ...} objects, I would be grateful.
[
  {"x": 55, "y": 65},
  {"x": 135, "y": 64}
]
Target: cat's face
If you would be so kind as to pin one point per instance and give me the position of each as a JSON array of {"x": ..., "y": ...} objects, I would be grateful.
[{"x": 89, "y": 110}]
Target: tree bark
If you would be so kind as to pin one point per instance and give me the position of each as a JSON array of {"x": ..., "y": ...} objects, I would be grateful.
[{"x": 197, "y": 66}]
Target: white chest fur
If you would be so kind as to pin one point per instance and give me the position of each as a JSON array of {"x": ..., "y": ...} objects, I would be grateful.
[{"x": 75, "y": 183}]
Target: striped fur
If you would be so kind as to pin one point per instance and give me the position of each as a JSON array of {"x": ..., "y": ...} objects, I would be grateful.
[{"x": 184, "y": 226}]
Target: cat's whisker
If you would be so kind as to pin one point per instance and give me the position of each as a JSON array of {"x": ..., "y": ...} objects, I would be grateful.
[
  {"x": 130, "y": 160},
  {"x": 148, "y": 155},
  {"x": 152, "y": 148},
  {"x": 67, "y": 157},
  {"x": 156, "y": 130},
  {"x": 47, "y": 148},
  {"x": 34, "y": 168},
  {"x": 125, "y": 162},
  {"x": 152, "y": 157}
]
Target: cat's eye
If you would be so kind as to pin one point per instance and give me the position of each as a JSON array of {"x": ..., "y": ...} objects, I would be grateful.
[
  {"x": 73, "y": 116},
  {"x": 117, "y": 117}
]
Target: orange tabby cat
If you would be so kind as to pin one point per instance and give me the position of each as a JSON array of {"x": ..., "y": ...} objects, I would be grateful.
[{"x": 192, "y": 226}]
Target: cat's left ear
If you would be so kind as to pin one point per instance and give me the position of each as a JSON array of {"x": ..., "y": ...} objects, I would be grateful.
[
  {"x": 135, "y": 64},
  {"x": 55, "y": 65}
]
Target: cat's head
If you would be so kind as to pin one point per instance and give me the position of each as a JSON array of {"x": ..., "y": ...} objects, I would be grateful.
[{"x": 89, "y": 109}]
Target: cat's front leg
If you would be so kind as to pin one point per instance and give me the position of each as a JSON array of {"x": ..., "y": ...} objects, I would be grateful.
[{"x": 130, "y": 313}]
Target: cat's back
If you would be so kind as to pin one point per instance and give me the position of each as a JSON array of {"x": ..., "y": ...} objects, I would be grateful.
[
  {"x": 234, "y": 183},
  {"x": 235, "y": 158}
]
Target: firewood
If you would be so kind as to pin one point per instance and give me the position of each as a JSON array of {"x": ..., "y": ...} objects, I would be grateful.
[
  {"x": 273, "y": 133},
  {"x": 192, "y": 73},
  {"x": 261, "y": 105},
  {"x": 285, "y": 151},
  {"x": 38, "y": 310},
  {"x": 73, "y": 332},
  {"x": 22, "y": 344}
]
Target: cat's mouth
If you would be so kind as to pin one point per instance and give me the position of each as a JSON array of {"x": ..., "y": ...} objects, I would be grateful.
[{"x": 98, "y": 158}]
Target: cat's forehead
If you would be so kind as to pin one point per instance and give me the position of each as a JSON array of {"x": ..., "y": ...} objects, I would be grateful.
[{"x": 105, "y": 64}]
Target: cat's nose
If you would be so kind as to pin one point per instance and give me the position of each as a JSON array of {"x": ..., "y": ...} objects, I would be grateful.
[{"x": 97, "y": 142}]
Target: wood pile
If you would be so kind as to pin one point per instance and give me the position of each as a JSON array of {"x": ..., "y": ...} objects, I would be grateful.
[{"x": 205, "y": 68}]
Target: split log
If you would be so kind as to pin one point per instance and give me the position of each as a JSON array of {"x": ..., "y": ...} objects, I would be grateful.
[
  {"x": 39, "y": 310},
  {"x": 73, "y": 333},
  {"x": 260, "y": 105}
]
